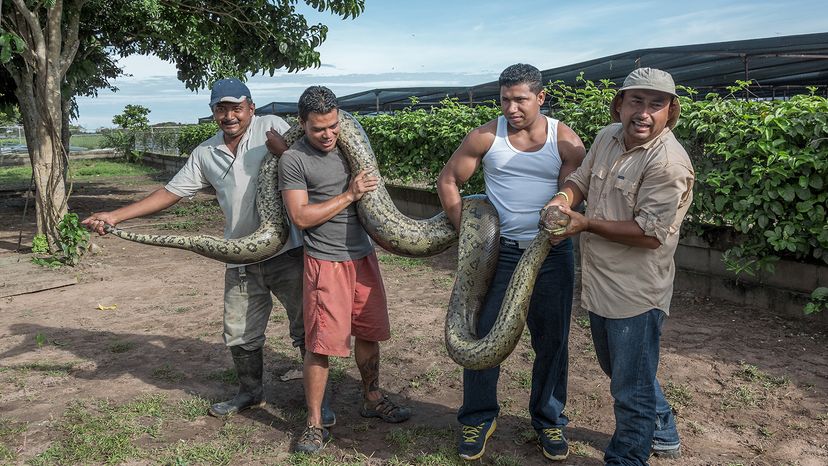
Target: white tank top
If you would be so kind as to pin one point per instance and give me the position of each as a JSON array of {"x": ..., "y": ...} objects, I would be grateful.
[{"x": 520, "y": 183}]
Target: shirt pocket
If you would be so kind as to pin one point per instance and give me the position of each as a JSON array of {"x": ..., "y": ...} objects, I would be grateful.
[
  {"x": 596, "y": 183},
  {"x": 628, "y": 190}
]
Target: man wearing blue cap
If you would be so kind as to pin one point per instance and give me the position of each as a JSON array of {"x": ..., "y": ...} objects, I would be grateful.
[
  {"x": 638, "y": 183},
  {"x": 229, "y": 162}
]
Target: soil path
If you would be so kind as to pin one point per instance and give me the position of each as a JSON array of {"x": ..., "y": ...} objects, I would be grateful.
[{"x": 749, "y": 387}]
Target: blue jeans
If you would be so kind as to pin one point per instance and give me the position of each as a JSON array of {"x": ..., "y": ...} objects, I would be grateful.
[
  {"x": 548, "y": 320},
  {"x": 628, "y": 351}
]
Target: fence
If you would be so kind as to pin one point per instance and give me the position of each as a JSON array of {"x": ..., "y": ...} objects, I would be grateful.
[{"x": 158, "y": 140}]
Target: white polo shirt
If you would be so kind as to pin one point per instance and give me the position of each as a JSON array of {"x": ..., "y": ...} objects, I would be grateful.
[{"x": 212, "y": 164}]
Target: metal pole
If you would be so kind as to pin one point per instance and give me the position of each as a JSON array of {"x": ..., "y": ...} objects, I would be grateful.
[{"x": 747, "y": 73}]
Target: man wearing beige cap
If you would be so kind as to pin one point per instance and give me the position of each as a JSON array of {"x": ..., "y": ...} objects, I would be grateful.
[{"x": 638, "y": 183}]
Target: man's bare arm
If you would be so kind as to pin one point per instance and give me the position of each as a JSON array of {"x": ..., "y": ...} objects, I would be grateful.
[
  {"x": 461, "y": 166},
  {"x": 304, "y": 215},
  {"x": 159, "y": 200}
]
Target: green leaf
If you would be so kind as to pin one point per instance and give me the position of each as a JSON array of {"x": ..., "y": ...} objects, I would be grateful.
[{"x": 787, "y": 193}]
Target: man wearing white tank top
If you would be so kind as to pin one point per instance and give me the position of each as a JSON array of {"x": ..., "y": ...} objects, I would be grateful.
[{"x": 525, "y": 157}]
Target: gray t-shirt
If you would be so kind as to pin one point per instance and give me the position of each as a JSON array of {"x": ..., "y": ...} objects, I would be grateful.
[
  {"x": 325, "y": 175},
  {"x": 234, "y": 178}
]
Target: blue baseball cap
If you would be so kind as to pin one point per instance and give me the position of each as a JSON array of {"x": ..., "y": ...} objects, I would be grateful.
[{"x": 229, "y": 90}]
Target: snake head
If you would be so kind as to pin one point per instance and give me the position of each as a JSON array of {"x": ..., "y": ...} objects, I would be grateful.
[{"x": 552, "y": 220}]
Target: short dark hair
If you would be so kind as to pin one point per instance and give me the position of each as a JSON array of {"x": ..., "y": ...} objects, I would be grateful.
[
  {"x": 316, "y": 99},
  {"x": 521, "y": 73}
]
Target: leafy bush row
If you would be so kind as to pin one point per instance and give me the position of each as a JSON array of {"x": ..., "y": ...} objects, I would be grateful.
[
  {"x": 412, "y": 145},
  {"x": 193, "y": 135},
  {"x": 761, "y": 165}
]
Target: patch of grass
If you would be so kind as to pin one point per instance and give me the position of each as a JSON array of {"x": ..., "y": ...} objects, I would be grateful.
[
  {"x": 228, "y": 376},
  {"x": 695, "y": 428},
  {"x": 88, "y": 141},
  {"x": 277, "y": 316},
  {"x": 336, "y": 369},
  {"x": 523, "y": 378},
  {"x": 525, "y": 436},
  {"x": 323, "y": 459},
  {"x": 80, "y": 170},
  {"x": 85, "y": 169},
  {"x": 678, "y": 395},
  {"x": 103, "y": 433},
  {"x": 186, "y": 452},
  {"x": 401, "y": 261},
  {"x": 751, "y": 373},
  {"x": 505, "y": 459},
  {"x": 580, "y": 449},
  {"x": 9, "y": 429},
  {"x": 582, "y": 321},
  {"x": 741, "y": 396},
  {"x": 40, "y": 340},
  {"x": 426, "y": 438},
  {"x": 18, "y": 175},
  {"x": 181, "y": 310},
  {"x": 193, "y": 408},
  {"x": 444, "y": 456},
  {"x": 231, "y": 440},
  {"x": 185, "y": 225},
  {"x": 167, "y": 374},
  {"x": 197, "y": 209},
  {"x": 121, "y": 346},
  {"x": 443, "y": 281},
  {"x": 53, "y": 370}
]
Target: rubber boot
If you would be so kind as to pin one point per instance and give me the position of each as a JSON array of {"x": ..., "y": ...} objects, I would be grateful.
[
  {"x": 328, "y": 415},
  {"x": 249, "y": 367}
]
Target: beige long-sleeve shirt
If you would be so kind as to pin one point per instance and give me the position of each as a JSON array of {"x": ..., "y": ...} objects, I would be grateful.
[{"x": 651, "y": 184}]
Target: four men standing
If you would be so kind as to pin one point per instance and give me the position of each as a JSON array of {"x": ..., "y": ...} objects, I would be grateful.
[{"x": 636, "y": 180}]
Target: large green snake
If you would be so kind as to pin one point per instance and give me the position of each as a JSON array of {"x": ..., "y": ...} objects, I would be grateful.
[{"x": 477, "y": 251}]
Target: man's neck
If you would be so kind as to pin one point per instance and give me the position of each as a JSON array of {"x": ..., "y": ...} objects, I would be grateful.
[{"x": 232, "y": 143}]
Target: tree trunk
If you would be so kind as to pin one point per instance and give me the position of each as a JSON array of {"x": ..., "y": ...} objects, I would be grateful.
[
  {"x": 51, "y": 45},
  {"x": 42, "y": 121}
]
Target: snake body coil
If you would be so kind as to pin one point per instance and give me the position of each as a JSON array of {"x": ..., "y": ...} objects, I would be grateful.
[{"x": 399, "y": 234}]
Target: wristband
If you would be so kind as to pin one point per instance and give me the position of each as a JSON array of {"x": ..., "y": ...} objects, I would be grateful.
[{"x": 565, "y": 195}]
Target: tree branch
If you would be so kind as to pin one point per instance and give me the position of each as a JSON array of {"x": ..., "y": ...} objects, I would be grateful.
[
  {"x": 38, "y": 45},
  {"x": 70, "y": 39}
]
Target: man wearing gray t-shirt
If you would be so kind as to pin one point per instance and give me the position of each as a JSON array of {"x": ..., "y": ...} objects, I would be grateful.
[
  {"x": 229, "y": 162},
  {"x": 343, "y": 292}
]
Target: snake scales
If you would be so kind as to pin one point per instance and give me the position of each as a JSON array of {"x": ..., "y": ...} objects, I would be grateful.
[{"x": 477, "y": 251}]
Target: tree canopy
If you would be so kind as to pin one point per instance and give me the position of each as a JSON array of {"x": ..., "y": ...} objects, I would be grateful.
[{"x": 52, "y": 51}]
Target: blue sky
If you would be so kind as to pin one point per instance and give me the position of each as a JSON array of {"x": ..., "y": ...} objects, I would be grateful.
[{"x": 457, "y": 43}]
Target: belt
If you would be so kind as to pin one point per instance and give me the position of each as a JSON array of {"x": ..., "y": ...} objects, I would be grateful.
[{"x": 515, "y": 244}]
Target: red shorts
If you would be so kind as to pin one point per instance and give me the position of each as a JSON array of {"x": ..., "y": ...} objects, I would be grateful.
[{"x": 343, "y": 299}]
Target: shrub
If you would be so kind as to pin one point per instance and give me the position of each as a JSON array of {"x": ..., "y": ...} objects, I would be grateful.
[{"x": 193, "y": 135}]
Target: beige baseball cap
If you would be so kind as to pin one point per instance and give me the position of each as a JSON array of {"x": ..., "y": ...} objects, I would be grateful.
[{"x": 650, "y": 79}]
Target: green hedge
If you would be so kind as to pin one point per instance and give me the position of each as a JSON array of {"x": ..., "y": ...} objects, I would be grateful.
[
  {"x": 412, "y": 145},
  {"x": 193, "y": 135},
  {"x": 761, "y": 165}
]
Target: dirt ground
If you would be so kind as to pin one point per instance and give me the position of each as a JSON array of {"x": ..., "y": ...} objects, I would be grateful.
[{"x": 83, "y": 382}]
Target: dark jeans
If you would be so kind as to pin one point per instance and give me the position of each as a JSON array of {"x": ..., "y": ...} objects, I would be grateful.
[
  {"x": 548, "y": 320},
  {"x": 628, "y": 351}
]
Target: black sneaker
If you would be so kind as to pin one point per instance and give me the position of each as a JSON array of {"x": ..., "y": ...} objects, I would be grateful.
[
  {"x": 553, "y": 443},
  {"x": 473, "y": 439},
  {"x": 312, "y": 440}
]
